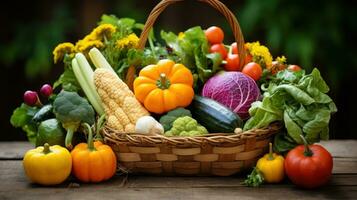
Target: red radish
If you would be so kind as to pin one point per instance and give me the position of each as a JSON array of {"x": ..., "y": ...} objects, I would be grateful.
[
  {"x": 46, "y": 90},
  {"x": 31, "y": 98}
]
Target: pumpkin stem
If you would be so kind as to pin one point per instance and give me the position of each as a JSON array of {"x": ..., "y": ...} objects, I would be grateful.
[
  {"x": 163, "y": 83},
  {"x": 90, "y": 142},
  {"x": 307, "y": 151},
  {"x": 270, "y": 157},
  {"x": 46, "y": 148}
]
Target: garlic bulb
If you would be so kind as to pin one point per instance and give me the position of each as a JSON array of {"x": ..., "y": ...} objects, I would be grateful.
[{"x": 148, "y": 125}]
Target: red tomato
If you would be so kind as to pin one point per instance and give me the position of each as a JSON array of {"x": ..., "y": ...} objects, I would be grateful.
[
  {"x": 294, "y": 68},
  {"x": 254, "y": 70},
  {"x": 308, "y": 167},
  {"x": 232, "y": 63},
  {"x": 234, "y": 48},
  {"x": 214, "y": 35},
  {"x": 219, "y": 48}
]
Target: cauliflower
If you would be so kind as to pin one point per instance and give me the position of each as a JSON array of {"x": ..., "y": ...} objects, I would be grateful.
[{"x": 186, "y": 126}]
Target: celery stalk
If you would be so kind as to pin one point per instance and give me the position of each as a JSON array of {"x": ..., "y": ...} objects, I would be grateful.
[
  {"x": 99, "y": 60},
  {"x": 82, "y": 78}
]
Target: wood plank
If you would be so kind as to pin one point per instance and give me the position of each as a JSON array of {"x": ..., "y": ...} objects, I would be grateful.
[
  {"x": 182, "y": 193},
  {"x": 12, "y": 172},
  {"x": 14, "y": 150},
  {"x": 344, "y": 166},
  {"x": 341, "y": 148},
  {"x": 14, "y": 185}
]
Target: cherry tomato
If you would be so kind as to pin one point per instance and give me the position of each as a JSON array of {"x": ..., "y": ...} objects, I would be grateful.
[
  {"x": 214, "y": 35},
  {"x": 254, "y": 70},
  {"x": 234, "y": 48},
  {"x": 232, "y": 63},
  {"x": 219, "y": 48},
  {"x": 294, "y": 68}
]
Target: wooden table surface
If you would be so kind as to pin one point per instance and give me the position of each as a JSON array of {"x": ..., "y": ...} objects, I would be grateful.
[{"x": 14, "y": 184}]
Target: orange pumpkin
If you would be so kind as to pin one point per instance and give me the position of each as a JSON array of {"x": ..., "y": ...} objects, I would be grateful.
[
  {"x": 93, "y": 162},
  {"x": 164, "y": 86}
]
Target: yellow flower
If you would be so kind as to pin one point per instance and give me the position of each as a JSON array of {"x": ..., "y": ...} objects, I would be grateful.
[
  {"x": 130, "y": 41},
  {"x": 85, "y": 45},
  {"x": 61, "y": 50},
  {"x": 103, "y": 30},
  {"x": 260, "y": 53},
  {"x": 181, "y": 35},
  {"x": 281, "y": 59}
]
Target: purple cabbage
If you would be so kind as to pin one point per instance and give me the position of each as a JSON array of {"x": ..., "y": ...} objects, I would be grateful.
[{"x": 235, "y": 90}]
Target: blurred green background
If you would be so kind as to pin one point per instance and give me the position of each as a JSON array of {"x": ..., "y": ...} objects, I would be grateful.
[{"x": 309, "y": 33}]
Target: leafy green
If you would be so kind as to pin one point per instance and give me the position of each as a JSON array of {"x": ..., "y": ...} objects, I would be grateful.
[
  {"x": 67, "y": 79},
  {"x": 22, "y": 118},
  {"x": 191, "y": 49},
  {"x": 298, "y": 100},
  {"x": 255, "y": 179},
  {"x": 72, "y": 110}
]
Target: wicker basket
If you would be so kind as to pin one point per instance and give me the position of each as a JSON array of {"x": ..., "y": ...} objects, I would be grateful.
[{"x": 215, "y": 154}]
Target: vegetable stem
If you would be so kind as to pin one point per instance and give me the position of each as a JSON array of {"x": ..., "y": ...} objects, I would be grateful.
[
  {"x": 152, "y": 47},
  {"x": 90, "y": 137},
  {"x": 270, "y": 157},
  {"x": 98, "y": 128},
  {"x": 46, "y": 148},
  {"x": 163, "y": 82},
  {"x": 307, "y": 151},
  {"x": 68, "y": 140}
]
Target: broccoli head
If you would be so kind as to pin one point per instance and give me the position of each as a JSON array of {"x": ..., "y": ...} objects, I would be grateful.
[
  {"x": 167, "y": 120},
  {"x": 72, "y": 110},
  {"x": 186, "y": 126}
]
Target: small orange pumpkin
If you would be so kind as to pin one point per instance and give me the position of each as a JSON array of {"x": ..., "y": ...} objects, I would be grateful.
[
  {"x": 93, "y": 162},
  {"x": 164, "y": 86}
]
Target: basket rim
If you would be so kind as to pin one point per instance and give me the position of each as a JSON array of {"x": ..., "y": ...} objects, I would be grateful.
[{"x": 113, "y": 136}]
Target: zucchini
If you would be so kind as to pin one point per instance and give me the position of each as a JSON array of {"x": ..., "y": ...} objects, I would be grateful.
[
  {"x": 43, "y": 114},
  {"x": 216, "y": 117}
]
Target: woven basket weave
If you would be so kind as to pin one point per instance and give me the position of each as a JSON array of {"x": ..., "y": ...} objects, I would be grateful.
[{"x": 214, "y": 154}]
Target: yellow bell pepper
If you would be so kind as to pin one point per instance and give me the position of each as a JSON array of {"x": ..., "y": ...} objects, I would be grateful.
[
  {"x": 48, "y": 165},
  {"x": 271, "y": 166}
]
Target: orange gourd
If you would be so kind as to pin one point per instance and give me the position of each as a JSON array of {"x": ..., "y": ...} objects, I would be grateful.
[
  {"x": 93, "y": 162},
  {"x": 164, "y": 86}
]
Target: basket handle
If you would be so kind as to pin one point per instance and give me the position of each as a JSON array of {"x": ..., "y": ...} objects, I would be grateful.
[{"x": 160, "y": 7}]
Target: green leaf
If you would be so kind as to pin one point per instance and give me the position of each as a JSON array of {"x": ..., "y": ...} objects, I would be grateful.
[
  {"x": 255, "y": 178},
  {"x": 299, "y": 95},
  {"x": 283, "y": 143},
  {"x": 23, "y": 115},
  {"x": 294, "y": 130},
  {"x": 31, "y": 132},
  {"x": 314, "y": 127},
  {"x": 262, "y": 114},
  {"x": 68, "y": 81}
]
